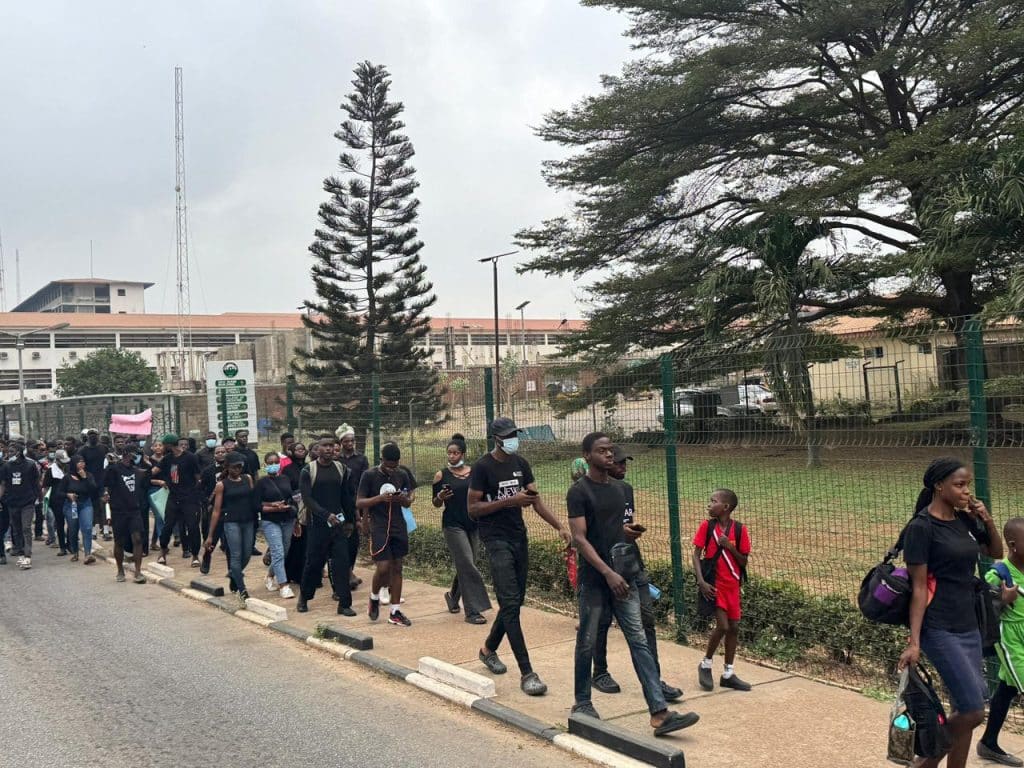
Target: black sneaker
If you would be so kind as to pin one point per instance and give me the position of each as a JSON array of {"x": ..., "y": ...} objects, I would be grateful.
[
  {"x": 733, "y": 682},
  {"x": 301, "y": 606},
  {"x": 705, "y": 678},
  {"x": 605, "y": 683},
  {"x": 494, "y": 665},
  {"x": 374, "y": 612},
  {"x": 3, "y": 559},
  {"x": 398, "y": 619},
  {"x": 586, "y": 708},
  {"x": 670, "y": 692},
  {"x": 346, "y": 611}
]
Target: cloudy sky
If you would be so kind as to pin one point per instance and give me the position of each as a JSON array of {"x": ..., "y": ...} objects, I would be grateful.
[{"x": 87, "y": 136}]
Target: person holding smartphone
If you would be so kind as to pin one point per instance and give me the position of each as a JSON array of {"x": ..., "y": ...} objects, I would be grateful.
[
  {"x": 501, "y": 485},
  {"x": 451, "y": 490},
  {"x": 603, "y": 681}
]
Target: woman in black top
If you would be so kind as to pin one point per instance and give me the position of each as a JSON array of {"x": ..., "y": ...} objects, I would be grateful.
[
  {"x": 950, "y": 529},
  {"x": 78, "y": 489},
  {"x": 277, "y": 520},
  {"x": 295, "y": 559},
  {"x": 451, "y": 486},
  {"x": 233, "y": 501}
]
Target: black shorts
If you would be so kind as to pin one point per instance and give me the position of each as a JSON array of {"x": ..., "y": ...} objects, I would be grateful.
[
  {"x": 388, "y": 541},
  {"x": 124, "y": 526}
]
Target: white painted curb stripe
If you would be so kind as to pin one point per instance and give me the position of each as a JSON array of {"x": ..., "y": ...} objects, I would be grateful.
[
  {"x": 596, "y": 753},
  {"x": 452, "y": 675},
  {"x": 269, "y": 610},
  {"x": 255, "y": 618},
  {"x": 195, "y": 594},
  {"x": 326, "y": 645}
]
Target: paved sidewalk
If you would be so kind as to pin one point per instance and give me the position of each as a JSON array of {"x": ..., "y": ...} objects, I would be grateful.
[{"x": 785, "y": 719}]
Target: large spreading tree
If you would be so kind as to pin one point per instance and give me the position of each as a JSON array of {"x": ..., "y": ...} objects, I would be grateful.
[
  {"x": 107, "y": 372},
  {"x": 369, "y": 318},
  {"x": 857, "y": 118}
]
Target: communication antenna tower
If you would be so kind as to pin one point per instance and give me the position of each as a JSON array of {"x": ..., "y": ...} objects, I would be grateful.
[{"x": 185, "y": 362}]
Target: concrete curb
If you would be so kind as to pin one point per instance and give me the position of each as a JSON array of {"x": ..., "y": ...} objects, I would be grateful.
[
  {"x": 163, "y": 571},
  {"x": 645, "y": 749},
  {"x": 207, "y": 586},
  {"x": 225, "y": 604},
  {"x": 195, "y": 594},
  {"x": 171, "y": 584},
  {"x": 595, "y": 752},
  {"x": 449, "y": 692},
  {"x": 452, "y": 675},
  {"x": 380, "y": 664},
  {"x": 267, "y": 610},
  {"x": 516, "y": 719},
  {"x": 256, "y": 618},
  {"x": 287, "y": 628}
]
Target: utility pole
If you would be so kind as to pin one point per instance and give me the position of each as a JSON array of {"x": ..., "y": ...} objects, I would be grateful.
[
  {"x": 17, "y": 276},
  {"x": 497, "y": 351},
  {"x": 184, "y": 305}
]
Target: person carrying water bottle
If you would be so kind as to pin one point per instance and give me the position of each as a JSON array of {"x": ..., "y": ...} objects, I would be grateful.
[{"x": 79, "y": 489}]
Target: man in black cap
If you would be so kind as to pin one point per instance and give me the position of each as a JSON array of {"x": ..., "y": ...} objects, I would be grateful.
[
  {"x": 501, "y": 484},
  {"x": 603, "y": 681}
]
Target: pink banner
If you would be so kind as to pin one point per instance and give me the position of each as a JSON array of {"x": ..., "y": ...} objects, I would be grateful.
[{"x": 132, "y": 423}]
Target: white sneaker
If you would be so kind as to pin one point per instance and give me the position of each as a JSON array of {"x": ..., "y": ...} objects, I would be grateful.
[
  {"x": 385, "y": 596},
  {"x": 271, "y": 584},
  {"x": 21, "y": 560},
  {"x": 286, "y": 592},
  {"x": 25, "y": 564}
]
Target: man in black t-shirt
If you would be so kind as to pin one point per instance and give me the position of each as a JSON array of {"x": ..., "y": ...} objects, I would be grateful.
[
  {"x": 252, "y": 459},
  {"x": 383, "y": 492},
  {"x": 607, "y": 583},
  {"x": 19, "y": 492},
  {"x": 180, "y": 470},
  {"x": 95, "y": 455},
  {"x": 500, "y": 485},
  {"x": 327, "y": 496},
  {"x": 357, "y": 463},
  {"x": 121, "y": 485},
  {"x": 603, "y": 681}
]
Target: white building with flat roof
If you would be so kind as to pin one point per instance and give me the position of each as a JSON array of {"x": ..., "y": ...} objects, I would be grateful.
[{"x": 92, "y": 296}]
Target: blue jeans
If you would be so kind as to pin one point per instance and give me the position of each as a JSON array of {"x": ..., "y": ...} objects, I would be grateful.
[
  {"x": 597, "y": 601},
  {"x": 240, "y": 537},
  {"x": 158, "y": 522},
  {"x": 83, "y": 523},
  {"x": 279, "y": 539}
]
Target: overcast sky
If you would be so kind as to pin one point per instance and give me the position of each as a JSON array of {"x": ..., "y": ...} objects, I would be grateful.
[{"x": 87, "y": 136}]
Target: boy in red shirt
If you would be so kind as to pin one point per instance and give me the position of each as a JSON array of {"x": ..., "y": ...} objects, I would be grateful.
[{"x": 725, "y": 542}]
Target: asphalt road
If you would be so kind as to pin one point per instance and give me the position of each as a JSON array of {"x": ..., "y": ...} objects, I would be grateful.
[{"x": 96, "y": 673}]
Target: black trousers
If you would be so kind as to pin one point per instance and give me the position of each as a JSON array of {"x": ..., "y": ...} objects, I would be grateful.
[
  {"x": 510, "y": 559},
  {"x": 186, "y": 512},
  {"x": 325, "y": 543},
  {"x": 40, "y": 518}
]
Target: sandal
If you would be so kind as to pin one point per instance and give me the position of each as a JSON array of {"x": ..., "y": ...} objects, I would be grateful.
[
  {"x": 162, "y": 560},
  {"x": 676, "y": 722},
  {"x": 139, "y": 579},
  {"x": 74, "y": 558},
  {"x": 89, "y": 560},
  {"x": 120, "y": 578}
]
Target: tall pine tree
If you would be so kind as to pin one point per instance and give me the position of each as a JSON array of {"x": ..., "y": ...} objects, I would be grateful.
[{"x": 370, "y": 314}]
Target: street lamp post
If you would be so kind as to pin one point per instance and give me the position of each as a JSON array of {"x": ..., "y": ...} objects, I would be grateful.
[
  {"x": 19, "y": 344},
  {"x": 522, "y": 327},
  {"x": 497, "y": 355}
]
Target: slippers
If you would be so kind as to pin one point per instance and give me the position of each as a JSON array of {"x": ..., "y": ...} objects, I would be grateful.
[
  {"x": 676, "y": 722},
  {"x": 139, "y": 579}
]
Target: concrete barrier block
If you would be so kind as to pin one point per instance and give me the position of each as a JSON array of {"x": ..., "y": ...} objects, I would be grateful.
[
  {"x": 595, "y": 753},
  {"x": 445, "y": 691},
  {"x": 207, "y": 586},
  {"x": 331, "y": 647},
  {"x": 268, "y": 610},
  {"x": 644, "y": 748},
  {"x": 255, "y": 618},
  {"x": 163, "y": 571},
  {"x": 358, "y": 640},
  {"x": 450, "y": 674},
  {"x": 195, "y": 594}
]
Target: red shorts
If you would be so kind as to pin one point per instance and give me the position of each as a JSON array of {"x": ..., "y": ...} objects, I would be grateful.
[{"x": 727, "y": 597}]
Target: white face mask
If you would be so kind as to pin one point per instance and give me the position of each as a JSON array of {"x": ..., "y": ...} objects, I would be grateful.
[
  {"x": 456, "y": 466},
  {"x": 510, "y": 445}
]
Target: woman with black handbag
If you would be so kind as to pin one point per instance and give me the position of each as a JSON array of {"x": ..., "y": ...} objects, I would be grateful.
[{"x": 950, "y": 529}]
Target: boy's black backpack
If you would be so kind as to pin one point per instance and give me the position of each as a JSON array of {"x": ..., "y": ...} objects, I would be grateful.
[{"x": 925, "y": 709}]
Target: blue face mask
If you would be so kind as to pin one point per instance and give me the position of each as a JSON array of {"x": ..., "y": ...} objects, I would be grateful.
[
  {"x": 211, "y": 444},
  {"x": 52, "y": 456},
  {"x": 510, "y": 445},
  {"x": 138, "y": 458},
  {"x": 273, "y": 469}
]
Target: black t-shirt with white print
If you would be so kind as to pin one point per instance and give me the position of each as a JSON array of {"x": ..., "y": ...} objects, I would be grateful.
[
  {"x": 122, "y": 483},
  {"x": 501, "y": 480}
]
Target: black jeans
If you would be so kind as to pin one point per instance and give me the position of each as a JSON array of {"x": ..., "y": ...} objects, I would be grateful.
[
  {"x": 510, "y": 561},
  {"x": 58, "y": 525},
  {"x": 643, "y": 585},
  {"x": 40, "y": 518},
  {"x": 324, "y": 542},
  {"x": 185, "y": 511}
]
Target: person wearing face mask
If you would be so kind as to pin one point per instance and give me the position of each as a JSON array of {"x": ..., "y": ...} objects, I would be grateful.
[
  {"x": 277, "y": 521},
  {"x": 205, "y": 454},
  {"x": 357, "y": 463},
  {"x": 19, "y": 492},
  {"x": 500, "y": 486},
  {"x": 208, "y": 484},
  {"x": 383, "y": 491},
  {"x": 451, "y": 487},
  {"x": 55, "y": 472},
  {"x": 233, "y": 502},
  {"x": 180, "y": 470},
  {"x": 38, "y": 454},
  {"x": 79, "y": 489},
  {"x": 95, "y": 456},
  {"x": 327, "y": 498}
]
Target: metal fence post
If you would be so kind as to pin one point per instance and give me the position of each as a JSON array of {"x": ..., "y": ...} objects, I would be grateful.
[
  {"x": 672, "y": 482},
  {"x": 375, "y": 413},
  {"x": 289, "y": 403},
  {"x": 412, "y": 441},
  {"x": 979, "y": 408},
  {"x": 175, "y": 403},
  {"x": 489, "y": 405}
]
